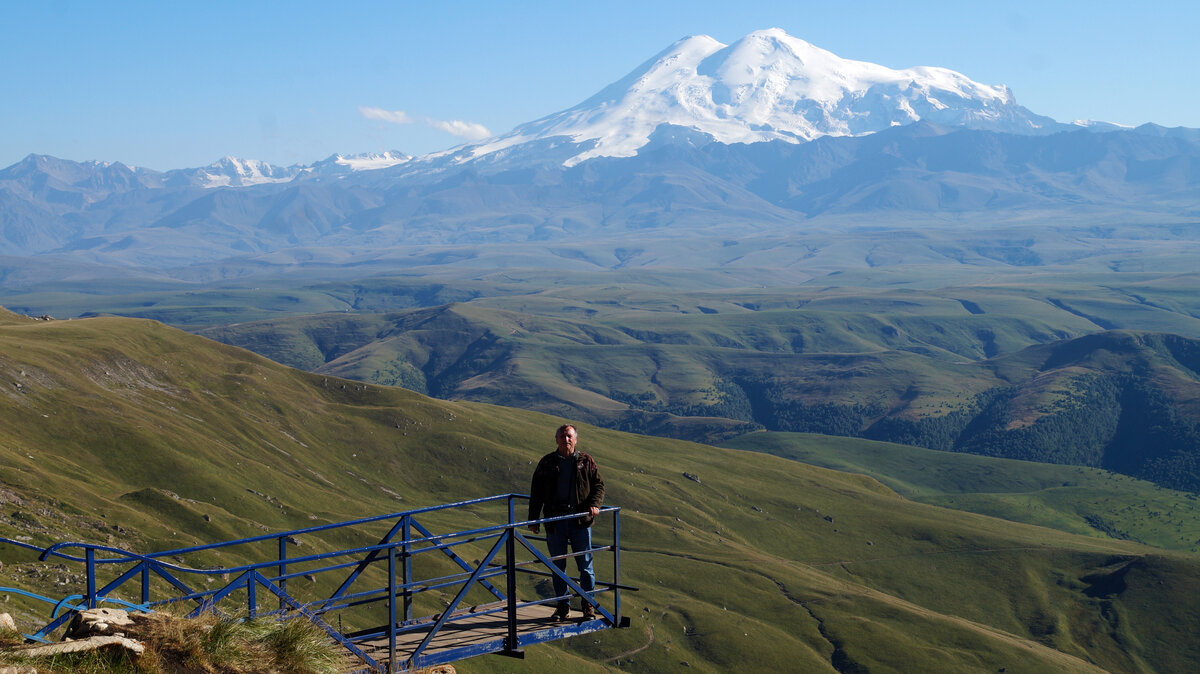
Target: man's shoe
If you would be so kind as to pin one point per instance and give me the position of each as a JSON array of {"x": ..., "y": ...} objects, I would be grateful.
[
  {"x": 589, "y": 612},
  {"x": 560, "y": 614}
]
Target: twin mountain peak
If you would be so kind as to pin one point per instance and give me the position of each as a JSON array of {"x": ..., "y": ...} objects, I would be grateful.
[{"x": 766, "y": 86}]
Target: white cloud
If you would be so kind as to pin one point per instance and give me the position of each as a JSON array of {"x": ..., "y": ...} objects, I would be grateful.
[
  {"x": 454, "y": 127},
  {"x": 393, "y": 116},
  {"x": 457, "y": 127}
]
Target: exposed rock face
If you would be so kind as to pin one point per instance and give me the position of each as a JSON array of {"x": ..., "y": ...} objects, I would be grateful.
[
  {"x": 89, "y": 630},
  {"x": 103, "y": 622},
  {"x": 88, "y": 644}
]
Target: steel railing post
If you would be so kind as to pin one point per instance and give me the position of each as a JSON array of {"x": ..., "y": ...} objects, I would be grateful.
[
  {"x": 282, "y": 582},
  {"x": 406, "y": 568},
  {"x": 90, "y": 553},
  {"x": 392, "y": 608},
  {"x": 510, "y": 572},
  {"x": 146, "y": 582},
  {"x": 617, "y": 566},
  {"x": 251, "y": 594}
]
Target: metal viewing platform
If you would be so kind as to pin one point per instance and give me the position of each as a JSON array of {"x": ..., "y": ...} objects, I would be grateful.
[{"x": 393, "y": 593}]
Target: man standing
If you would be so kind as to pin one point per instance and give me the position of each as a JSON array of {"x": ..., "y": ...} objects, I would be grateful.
[{"x": 567, "y": 482}]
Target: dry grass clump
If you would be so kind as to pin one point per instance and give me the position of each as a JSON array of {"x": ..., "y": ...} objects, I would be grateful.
[
  {"x": 10, "y": 639},
  {"x": 202, "y": 645}
]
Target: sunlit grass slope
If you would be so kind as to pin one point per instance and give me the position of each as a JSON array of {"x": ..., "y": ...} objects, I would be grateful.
[
  {"x": 131, "y": 430},
  {"x": 1076, "y": 499},
  {"x": 906, "y": 353}
]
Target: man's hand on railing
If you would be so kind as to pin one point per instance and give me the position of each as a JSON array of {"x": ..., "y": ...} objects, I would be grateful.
[{"x": 537, "y": 528}]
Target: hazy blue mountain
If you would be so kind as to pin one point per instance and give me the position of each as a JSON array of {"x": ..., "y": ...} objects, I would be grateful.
[
  {"x": 113, "y": 214},
  {"x": 767, "y": 137}
]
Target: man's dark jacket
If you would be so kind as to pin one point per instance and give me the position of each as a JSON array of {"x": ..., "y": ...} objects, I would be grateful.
[{"x": 588, "y": 488}]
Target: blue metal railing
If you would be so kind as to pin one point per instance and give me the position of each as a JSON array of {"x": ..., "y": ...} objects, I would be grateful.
[{"x": 158, "y": 582}]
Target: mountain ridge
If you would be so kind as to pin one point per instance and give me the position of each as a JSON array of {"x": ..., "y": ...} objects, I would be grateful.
[
  {"x": 669, "y": 189},
  {"x": 769, "y": 136}
]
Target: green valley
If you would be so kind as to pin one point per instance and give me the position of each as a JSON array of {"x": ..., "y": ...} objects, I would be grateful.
[
  {"x": 993, "y": 363},
  {"x": 128, "y": 429},
  {"x": 1070, "y": 498}
]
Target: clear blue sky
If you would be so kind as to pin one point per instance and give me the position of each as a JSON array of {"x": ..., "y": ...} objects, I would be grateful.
[{"x": 181, "y": 84}]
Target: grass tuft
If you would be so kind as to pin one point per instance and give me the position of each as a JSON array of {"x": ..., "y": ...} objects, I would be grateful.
[{"x": 206, "y": 644}]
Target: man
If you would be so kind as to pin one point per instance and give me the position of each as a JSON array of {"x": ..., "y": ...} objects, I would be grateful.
[{"x": 567, "y": 482}]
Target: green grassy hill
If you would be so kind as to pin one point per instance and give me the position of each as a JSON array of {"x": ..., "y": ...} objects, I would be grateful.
[
  {"x": 940, "y": 356},
  {"x": 896, "y": 366},
  {"x": 131, "y": 430},
  {"x": 1070, "y": 498}
]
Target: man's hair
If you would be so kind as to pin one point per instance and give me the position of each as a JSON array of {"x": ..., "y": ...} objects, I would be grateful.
[{"x": 562, "y": 431}]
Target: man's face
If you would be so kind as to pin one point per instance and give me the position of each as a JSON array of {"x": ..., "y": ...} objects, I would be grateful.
[{"x": 566, "y": 441}]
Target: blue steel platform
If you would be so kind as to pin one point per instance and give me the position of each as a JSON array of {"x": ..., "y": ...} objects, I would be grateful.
[
  {"x": 371, "y": 584},
  {"x": 483, "y": 633}
]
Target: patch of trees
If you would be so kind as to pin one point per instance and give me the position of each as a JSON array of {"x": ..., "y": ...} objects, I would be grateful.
[
  {"x": 776, "y": 411},
  {"x": 943, "y": 432},
  {"x": 1154, "y": 441},
  {"x": 725, "y": 399},
  {"x": 1184, "y": 351},
  {"x": 401, "y": 373},
  {"x": 1075, "y": 433},
  {"x": 1121, "y": 423},
  {"x": 710, "y": 431}
]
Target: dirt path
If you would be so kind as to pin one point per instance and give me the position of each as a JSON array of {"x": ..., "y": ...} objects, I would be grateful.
[
  {"x": 649, "y": 639},
  {"x": 931, "y": 553}
]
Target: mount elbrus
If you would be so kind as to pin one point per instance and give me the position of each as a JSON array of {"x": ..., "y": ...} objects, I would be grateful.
[{"x": 769, "y": 136}]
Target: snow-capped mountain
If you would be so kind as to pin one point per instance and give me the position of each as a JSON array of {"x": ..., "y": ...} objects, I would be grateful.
[
  {"x": 769, "y": 86},
  {"x": 762, "y": 137},
  {"x": 368, "y": 161},
  {"x": 233, "y": 172}
]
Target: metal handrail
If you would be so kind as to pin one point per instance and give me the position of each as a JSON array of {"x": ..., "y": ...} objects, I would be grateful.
[
  {"x": 294, "y": 533},
  {"x": 396, "y": 549}
]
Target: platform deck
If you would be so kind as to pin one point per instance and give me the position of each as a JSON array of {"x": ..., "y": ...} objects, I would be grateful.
[{"x": 485, "y": 633}]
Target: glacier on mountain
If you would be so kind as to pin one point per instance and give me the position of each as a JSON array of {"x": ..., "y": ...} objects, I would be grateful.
[
  {"x": 367, "y": 161},
  {"x": 234, "y": 172},
  {"x": 768, "y": 86}
]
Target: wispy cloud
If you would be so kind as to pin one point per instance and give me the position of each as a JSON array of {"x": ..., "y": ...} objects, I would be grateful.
[
  {"x": 457, "y": 127},
  {"x": 454, "y": 127},
  {"x": 393, "y": 116}
]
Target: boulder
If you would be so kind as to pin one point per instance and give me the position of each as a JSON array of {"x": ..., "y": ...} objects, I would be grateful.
[{"x": 103, "y": 622}]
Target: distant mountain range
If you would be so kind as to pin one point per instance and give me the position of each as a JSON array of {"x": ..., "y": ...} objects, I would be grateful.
[{"x": 769, "y": 136}]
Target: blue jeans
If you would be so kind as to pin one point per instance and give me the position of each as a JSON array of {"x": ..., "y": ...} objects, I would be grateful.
[{"x": 558, "y": 534}]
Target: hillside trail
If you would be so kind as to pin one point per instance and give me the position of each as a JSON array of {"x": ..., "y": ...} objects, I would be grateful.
[
  {"x": 932, "y": 553},
  {"x": 649, "y": 630}
]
